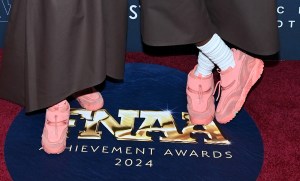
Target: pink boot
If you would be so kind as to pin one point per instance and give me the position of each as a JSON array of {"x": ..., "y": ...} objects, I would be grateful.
[
  {"x": 200, "y": 98},
  {"x": 236, "y": 83},
  {"x": 56, "y": 128},
  {"x": 90, "y": 99}
]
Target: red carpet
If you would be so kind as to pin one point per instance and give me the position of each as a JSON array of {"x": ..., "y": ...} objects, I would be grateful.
[{"x": 273, "y": 104}]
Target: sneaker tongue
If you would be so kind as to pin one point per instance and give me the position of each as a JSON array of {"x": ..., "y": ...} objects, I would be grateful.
[{"x": 227, "y": 77}]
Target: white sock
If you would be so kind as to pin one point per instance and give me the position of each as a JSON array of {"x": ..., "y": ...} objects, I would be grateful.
[
  {"x": 218, "y": 52},
  {"x": 205, "y": 66}
]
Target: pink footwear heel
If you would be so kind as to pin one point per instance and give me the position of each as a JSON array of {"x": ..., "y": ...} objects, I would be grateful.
[
  {"x": 90, "y": 99},
  {"x": 236, "y": 83},
  {"x": 56, "y": 128},
  {"x": 200, "y": 98}
]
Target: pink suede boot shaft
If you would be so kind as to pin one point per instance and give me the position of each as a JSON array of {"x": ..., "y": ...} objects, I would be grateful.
[
  {"x": 200, "y": 98},
  {"x": 56, "y": 128},
  {"x": 90, "y": 99},
  {"x": 236, "y": 83}
]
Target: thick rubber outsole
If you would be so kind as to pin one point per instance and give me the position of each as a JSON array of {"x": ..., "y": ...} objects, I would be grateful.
[
  {"x": 205, "y": 121},
  {"x": 60, "y": 147}
]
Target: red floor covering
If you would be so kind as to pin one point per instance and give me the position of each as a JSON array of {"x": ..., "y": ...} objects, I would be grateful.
[{"x": 273, "y": 104}]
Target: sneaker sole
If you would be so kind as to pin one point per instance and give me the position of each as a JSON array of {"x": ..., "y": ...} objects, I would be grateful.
[
  {"x": 202, "y": 121},
  {"x": 253, "y": 78},
  {"x": 60, "y": 148}
]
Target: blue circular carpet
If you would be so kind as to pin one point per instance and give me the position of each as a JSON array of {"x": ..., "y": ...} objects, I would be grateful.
[{"x": 142, "y": 133}]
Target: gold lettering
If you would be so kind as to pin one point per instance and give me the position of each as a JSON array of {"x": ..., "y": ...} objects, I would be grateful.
[
  {"x": 211, "y": 130},
  {"x": 91, "y": 128},
  {"x": 123, "y": 130},
  {"x": 72, "y": 123},
  {"x": 167, "y": 126}
]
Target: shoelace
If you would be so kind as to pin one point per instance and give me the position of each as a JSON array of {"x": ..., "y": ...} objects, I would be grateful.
[{"x": 218, "y": 86}]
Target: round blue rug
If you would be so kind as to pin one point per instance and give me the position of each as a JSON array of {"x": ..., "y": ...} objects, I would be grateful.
[{"x": 142, "y": 133}]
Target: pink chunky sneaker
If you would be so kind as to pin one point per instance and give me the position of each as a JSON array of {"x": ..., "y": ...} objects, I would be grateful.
[
  {"x": 90, "y": 99},
  {"x": 236, "y": 83},
  {"x": 56, "y": 128},
  {"x": 200, "y": 98}
]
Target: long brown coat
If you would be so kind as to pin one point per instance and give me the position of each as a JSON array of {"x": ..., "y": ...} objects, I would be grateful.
[
  {"x": 57, "y": 47},
  {"x": 248, "y": 24}
]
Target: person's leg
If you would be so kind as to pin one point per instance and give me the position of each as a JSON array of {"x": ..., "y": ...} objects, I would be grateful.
[
  {"x": 213, "y": 50},
  {"x": 205, "y": 65},
  {"x": 160, "y": 18},
  {"x": 200, "y": 83},
  {"x": 253, "y": 31},
  {"x": 218, "y": 52}
]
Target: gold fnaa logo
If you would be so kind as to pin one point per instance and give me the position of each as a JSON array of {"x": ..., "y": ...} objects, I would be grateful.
[{"x": 95, "y": 120}]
